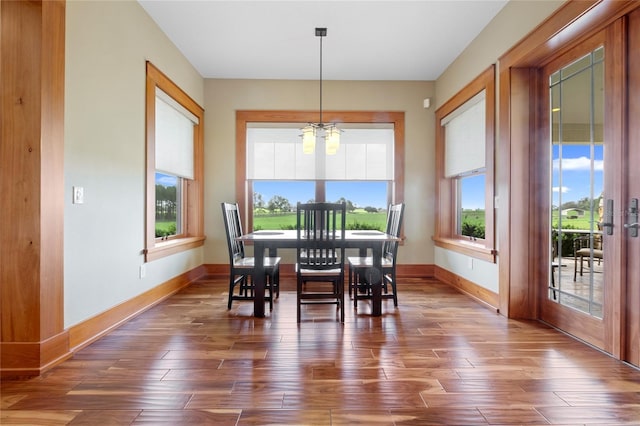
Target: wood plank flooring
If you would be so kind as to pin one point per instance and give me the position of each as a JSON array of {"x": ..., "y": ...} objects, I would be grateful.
[{"x": 438, "y": 359}]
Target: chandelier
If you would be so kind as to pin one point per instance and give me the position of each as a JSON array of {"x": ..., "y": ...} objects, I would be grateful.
[{"x": 314, "y": 131}]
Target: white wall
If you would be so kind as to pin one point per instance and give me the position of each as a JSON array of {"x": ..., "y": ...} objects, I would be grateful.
[
  {"x": 513, "y": 23},
  {"x": 107, "y": 44},
  {"x": 224, "y": 97}
]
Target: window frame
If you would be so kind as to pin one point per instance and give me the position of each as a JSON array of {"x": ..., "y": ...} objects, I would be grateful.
[
  {"x": 192, "y": 234},
  {"x": 446, "y": 235},
  {"x": 244, "y": 189}
]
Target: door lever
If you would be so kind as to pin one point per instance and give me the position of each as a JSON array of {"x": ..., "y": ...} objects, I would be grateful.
[
  {"x": 607, "y": 223},
  {"x": 633, "y": 218}
]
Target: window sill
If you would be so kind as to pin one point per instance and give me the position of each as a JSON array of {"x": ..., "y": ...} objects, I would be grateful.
[
  {"x": 468, "y": 248},
  {"x": 169, "y": 247}
]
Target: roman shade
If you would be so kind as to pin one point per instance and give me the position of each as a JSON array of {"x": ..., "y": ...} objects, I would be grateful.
[
  {"x": 174, "y": 137},
  {"x": 465, "y": 137},
  {"x": 275, "y": 153}
]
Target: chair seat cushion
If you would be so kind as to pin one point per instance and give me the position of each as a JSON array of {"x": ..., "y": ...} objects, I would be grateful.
[
  {"x": 361, "y": 262},
  {"x": 318, "y": 272},
  {"x": 249, "y": 262},
  {"x": 586, "y": 252}
]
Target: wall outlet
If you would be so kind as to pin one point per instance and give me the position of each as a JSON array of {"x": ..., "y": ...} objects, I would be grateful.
[
  {"x": 143, "y": 271},
  {"x": 470, "y": 263},
  {"x": 78, "y": 195}
]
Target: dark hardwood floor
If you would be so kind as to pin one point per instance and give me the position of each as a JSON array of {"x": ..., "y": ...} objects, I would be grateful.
[{"x": 438, "y": 359}]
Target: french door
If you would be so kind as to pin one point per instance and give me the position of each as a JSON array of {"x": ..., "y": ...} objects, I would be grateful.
[{"x": 584, "y": 156}]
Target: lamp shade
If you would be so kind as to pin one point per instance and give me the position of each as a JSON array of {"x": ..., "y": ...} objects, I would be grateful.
[
  {"x": 308, "y": 139},
  {"x": 332, "y": 140}
]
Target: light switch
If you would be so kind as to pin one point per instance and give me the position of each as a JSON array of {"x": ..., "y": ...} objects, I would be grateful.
[{"x": 78, "y": 195}]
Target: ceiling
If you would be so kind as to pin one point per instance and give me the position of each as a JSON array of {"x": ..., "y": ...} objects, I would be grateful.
[{"x": 366, "y": 40}]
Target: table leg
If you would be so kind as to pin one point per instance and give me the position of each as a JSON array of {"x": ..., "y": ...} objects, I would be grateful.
[
  {"x": 258, "y": 279},
  {"x": 376, "y": 281}
]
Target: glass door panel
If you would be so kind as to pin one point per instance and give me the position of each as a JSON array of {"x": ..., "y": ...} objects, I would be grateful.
[{"x": 576, "y": 93}]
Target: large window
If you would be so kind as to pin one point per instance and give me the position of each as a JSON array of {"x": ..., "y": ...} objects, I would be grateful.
[
  {"x": 464, "y": 169},
  {"x": 366, "y": 172},
  {"x": 174, "y": 170}
]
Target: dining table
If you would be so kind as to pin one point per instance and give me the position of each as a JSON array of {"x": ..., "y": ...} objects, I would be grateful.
[{"x": 267, "y": 242}]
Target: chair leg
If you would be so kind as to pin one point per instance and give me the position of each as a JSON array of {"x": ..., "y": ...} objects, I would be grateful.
[
  {"x": 394, "y": 289},
  {"x": 553, "y": 279},
  {"x": 340, "y": 285},
  {"x": 356, "y": 285},
  {"x": 231, "y": 285},
  {"x": 299, "y": 291},
  {"x": 269, "y": 286},
  {"x": 275, "y": 280}
]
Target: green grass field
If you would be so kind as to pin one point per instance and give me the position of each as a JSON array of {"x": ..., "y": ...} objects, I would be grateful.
[
  {"x": 475, "y": 217},
  {"x": 355, "y": 220},
  {"x": 577, "y": 223},
  {"x": 165, "y": 228}
]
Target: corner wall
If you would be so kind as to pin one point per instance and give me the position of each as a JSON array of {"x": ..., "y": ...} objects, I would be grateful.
[
  {"x": 107, "y": 44},
  {"x": 514, "y": 22}
]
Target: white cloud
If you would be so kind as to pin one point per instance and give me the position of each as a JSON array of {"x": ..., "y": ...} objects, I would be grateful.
[
  {"x": 578, "y": 164},
  {"x": 562, "y": 189}
]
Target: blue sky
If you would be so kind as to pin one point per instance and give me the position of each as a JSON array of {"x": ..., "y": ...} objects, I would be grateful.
[
  {"x": 165, "y": 180},
  {"x": 575, "y": 182}
]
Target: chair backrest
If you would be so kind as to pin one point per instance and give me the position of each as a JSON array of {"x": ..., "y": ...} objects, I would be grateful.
[
  {"x": 320, "y": 229},
  {"x": 587, "y": 241},
  {"x": 233, "y": 228},
  {"x": 395, "y": 214}
]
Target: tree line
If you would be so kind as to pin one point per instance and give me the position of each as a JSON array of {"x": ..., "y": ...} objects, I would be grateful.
[
  {"x": 280, "y": 204},
  {"x": 166, "y": 205}
]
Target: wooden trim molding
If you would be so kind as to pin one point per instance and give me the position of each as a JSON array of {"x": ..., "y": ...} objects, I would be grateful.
[
  {"x": 193, "y": 196},
  {"x": 19, "y": 359},
  {"x": 468, "y": 248},
  {"x": 446, "y": 235},
  {"x": 243, "y": 191},
  {"x": 34, "y": 358},
  {"x": 88, "y": 331},
  {"x": 473, "y": 290}
]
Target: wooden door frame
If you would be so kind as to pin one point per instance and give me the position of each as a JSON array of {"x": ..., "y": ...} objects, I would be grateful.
[
  {"x": 520, "y": 271},
  {"x": 632, "y": 354}
]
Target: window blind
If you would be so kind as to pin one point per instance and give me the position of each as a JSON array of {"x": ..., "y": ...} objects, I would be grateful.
[
  {"x": 276, "y": 154},
  {"x": 465, "y": 137},
  {"x": 174, "y": 137}
]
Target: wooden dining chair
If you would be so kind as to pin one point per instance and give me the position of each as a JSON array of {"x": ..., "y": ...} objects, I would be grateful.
[
  {"x": 320, "y": 255},
  {"x": 586, "y": 247},
  {"x": 241, "y": 267},
  {"x": 359, "y": 282}
]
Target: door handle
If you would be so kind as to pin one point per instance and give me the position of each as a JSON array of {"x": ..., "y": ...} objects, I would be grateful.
[
  {"x": 607, "y": 223},
  {"x": 633, "y": 224}
]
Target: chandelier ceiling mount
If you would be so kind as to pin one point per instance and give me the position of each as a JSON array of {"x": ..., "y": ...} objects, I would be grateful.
[{"x": 320, "y": 130}]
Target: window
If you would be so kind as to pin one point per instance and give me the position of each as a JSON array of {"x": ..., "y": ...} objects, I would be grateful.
[
  {"x": 367, "y": 171},
  {"x": 174, "y": 169},
  {"x": 464, "y": 169},
  {"x": 470, "y": 206}
]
